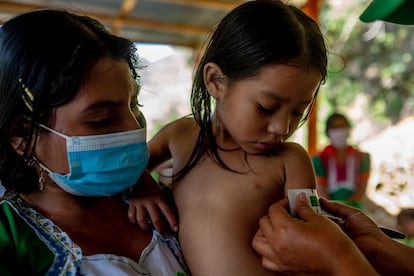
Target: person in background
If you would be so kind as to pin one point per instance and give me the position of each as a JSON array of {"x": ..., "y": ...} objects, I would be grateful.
[
  {"x": 70, "y": 146},
  {"x": 342, "y": 170},
  {"x": 255, "y": 84},
  {"x": 405, "y": 222},
  {"x": 312, "y": 243}
]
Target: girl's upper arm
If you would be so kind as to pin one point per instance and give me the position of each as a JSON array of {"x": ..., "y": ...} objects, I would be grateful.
[
  {"x": 171, "y": 141},
  {"x": 299, "y": 173},
  {"x": 159, "y": 146}
]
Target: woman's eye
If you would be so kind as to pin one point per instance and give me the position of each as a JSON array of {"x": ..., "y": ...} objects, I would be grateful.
[{"x": 101, "y": 123}]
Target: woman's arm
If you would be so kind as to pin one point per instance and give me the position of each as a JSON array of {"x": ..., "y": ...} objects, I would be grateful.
[{"x": 389, "y": 257}]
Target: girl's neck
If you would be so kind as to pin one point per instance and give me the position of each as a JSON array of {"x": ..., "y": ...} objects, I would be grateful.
[{"x": 223, "y": 138}]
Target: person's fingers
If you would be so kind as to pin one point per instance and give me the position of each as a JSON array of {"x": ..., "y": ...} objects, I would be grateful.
[
  {"x": 156, "y": 218},
  {"x": 269, "y": 264},
  {"x": 258, "y": 238},
  {"x": 278, "y": 218},
  {"x": 337, "y": 209},
  {"x": 131, "y": 214},
  {"x": 265, "y": 225},
  {"x": 263, "y": 248},
  {"x": 284, "y": 203},
  {"x": 279, "y": 210},
  {"x": 170, "y": 216},
  {"x": 141, "y": 216},
  {"x": 303, "y": 209}
]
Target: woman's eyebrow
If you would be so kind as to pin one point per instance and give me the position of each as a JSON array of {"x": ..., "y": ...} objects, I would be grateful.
[{"x": 101, "y": 105}]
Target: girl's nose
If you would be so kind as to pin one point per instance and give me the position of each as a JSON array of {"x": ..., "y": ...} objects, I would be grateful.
[{"x": 279, "y": 125}]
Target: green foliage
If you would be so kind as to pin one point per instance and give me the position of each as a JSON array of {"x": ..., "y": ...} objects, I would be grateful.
[
  {"x": 160, "y": 124},
  {"x": 370, "y": 59}
]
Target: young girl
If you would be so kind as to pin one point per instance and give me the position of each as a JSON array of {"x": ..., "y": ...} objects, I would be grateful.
[{"x": 256, "y": 82}]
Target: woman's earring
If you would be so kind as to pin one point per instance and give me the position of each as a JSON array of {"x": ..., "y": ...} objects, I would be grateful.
[
  {"x": 30, "y": 162},
  {"x": 41, "y": 179}
]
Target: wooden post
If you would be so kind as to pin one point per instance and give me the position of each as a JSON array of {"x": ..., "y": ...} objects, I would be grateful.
[{"x": 311, "y": 8}]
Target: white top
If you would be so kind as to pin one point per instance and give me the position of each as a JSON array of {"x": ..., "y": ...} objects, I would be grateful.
[{"x": 160, "y": 258}]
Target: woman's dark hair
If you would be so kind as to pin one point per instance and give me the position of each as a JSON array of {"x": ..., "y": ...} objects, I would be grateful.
[
  {"x": 333, "y": 117},
  {"x": 253, "y": 35},
  {"x": 45, "y": 57}
]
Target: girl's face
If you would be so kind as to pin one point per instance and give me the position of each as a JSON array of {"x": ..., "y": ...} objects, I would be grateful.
[
  {"x": 260, "y": 112},
  {"x": 102, "y": 105}
]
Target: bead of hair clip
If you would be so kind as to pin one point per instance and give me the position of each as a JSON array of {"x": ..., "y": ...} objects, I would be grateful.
[
  {"x": 27, "y": 96},
  {"x": 30, "y": 162}
]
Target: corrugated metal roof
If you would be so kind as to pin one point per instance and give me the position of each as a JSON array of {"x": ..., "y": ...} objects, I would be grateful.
[{"x": 175, "y": 22}]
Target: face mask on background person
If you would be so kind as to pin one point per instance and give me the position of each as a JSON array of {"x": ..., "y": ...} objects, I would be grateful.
[
  {"x": 339, "y": 137},
  {"x": 102, "y": 165}
]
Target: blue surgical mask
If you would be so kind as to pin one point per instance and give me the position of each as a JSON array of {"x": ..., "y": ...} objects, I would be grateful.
[{"x": 102, "y": 165}]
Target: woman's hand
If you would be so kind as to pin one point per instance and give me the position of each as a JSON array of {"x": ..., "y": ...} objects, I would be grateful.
[{"x": 308, "y": 244}]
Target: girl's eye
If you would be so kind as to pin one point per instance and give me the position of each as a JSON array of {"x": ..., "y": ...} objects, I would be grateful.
[
  {"x": 303, "y": 113},
  {"x": 264, "y": 110},
  {"x": 298, "y": 114}
]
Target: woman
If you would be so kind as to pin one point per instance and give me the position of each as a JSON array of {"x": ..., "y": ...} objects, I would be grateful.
[
  {"x": 70, "y": 145},
  {"x": 342, "y": 170}
]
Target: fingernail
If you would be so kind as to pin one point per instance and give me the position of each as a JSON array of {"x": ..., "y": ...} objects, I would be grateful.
[{"x": 302, "y": 197}]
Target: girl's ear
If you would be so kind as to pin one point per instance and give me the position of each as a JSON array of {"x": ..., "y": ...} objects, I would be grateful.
[{"x": 214, "y": 79}]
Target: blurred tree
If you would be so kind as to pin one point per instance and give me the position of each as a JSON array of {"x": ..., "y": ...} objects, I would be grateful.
[{"x": 374, "y": 59}]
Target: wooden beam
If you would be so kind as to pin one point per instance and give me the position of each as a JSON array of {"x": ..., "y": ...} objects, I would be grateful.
[
  {"x": 209, "y": 4},
  {"x": 140, "y": 23},
  {"x": 126, "y": 8}
]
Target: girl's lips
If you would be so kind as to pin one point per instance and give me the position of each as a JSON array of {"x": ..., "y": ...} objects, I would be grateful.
[{"x": 266, "y": 146}]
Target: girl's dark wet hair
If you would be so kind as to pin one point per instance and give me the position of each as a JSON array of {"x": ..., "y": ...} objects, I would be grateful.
[
  {"x": 253, "y": 35},
  {"x": 45, "y": 57}
]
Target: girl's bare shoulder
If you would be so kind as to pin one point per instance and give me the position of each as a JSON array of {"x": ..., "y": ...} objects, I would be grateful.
[
  {"x": 290, "y": 150},
  {"x": 184, "y": 127},
  {"x": 180, "y": 127}
]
